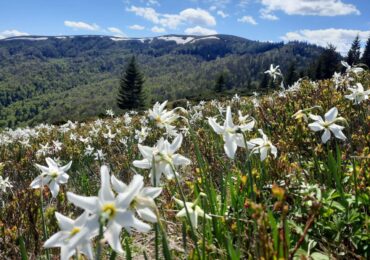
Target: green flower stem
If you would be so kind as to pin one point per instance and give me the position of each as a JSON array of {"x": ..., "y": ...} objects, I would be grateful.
[
  {"x": 44, "y": 229},
  {"x": 194, "y": 237}
]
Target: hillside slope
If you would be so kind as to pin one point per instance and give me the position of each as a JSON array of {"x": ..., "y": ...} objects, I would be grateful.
[{"x": 50, "y": 79}]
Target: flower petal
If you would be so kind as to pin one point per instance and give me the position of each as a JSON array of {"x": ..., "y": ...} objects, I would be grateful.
[
  {"x": 331, "y": 114},
  {"x": 90, "y": 204},
  {"x": 118, "y": 185},
  {"x": 337, "y": 131},
  {"x": 56, "y": 240},
  {"x": 64, "y": 222},
  {"x": 325, "y": 136},
  {"x": 112, "y": 235},
  {"x": 316, "y": 126},
  {"x": 176, "y": 144},
  {"x": 230, "y": 145},
  {"x": 105, "y": 192}
]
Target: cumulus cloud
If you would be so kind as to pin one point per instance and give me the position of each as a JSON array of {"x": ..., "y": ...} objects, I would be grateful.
[
  {"x": 341, "y": 38},
  {"x": 152, "y": 2},
  {"x": 157, "y": 29},
  {"x": 198, "y": 30},
  {"x": 222, "y": 14},
  {"x": 11, "y": 33},
  {"x": 247, "y": 19},
  {"x": 82, "y": 26},
  {"x": 146, "y": 12},
  {"x": 268, "y": 16},
  {"x": 137, "y": 27},
  {"x": 173, "y": 21},
  {"x": 117, "y": 32},
  {"x": 197, "y": 16},
  {"x": 310, "y": 7}
]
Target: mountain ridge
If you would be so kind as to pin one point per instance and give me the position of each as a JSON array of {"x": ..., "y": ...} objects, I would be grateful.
[{"x": 56, "y": 78}]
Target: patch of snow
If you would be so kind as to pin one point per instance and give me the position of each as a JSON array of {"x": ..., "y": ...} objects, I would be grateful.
[
  {"x": 61, "y": 37},
  {"x": 206, "y": 38},
  {"x": 28, "y": 38},
  {"x": 116, "y": 39},
  {"x": 143, "y": 40},
  {"x": 177, "y": 39}
]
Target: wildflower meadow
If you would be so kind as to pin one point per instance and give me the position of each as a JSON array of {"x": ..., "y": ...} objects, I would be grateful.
[{"x": 277, "y": 175}]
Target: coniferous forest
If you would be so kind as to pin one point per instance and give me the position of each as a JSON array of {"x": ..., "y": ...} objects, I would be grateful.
[{"x": 52, "y": 79}]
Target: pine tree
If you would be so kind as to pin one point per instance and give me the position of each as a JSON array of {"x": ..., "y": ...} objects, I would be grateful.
[
  {"x": 291, "y": 76},
  {"x": 265, "y": 82},
  {"x": 353, "y": 56},
  {"x": 328, "y": 63},
  {"x": 130, "y": 94},
  {"x": 365, "y": 59},
  {"x": 220, "y": 83}
]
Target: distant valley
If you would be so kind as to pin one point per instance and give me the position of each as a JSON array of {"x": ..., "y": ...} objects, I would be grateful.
[{"x": 54, "y": 79}]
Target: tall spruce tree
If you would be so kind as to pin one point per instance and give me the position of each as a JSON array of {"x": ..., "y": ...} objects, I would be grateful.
[
  {"x": 328, "y": 63},
  {"x": 353, "y": 56},
  {"x": 365, "y": 59},
  {"x": 131, "y": 94},
  {"x": 291, "y": 76},
  {"x": 220, "y": 83}
]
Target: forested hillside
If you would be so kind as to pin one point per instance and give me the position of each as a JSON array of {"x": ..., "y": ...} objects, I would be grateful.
[{"x": 52, "y": 79}]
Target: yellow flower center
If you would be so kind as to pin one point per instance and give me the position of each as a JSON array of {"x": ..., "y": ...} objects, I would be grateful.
[
  {"x": 109, "y": 210},
  {"x": 74, "y": 231},
  {"x": 54, "y": 174},
  {"x": 158, "y": 119}
]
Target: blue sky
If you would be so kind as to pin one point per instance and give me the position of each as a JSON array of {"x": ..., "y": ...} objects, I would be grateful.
[{"x": 315, "y": 21}]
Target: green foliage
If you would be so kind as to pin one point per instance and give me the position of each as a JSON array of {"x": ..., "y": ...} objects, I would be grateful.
[
  {"x": 78, "y": 77},
  {"x": 327, "y": 64}
]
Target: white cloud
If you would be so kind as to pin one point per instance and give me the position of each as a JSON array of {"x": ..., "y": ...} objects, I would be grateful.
[
  {"x": 222, "y": 14},
  {"x": 11, "y": 33},
  {"x": 157, "y": 29},
  {"x": 243, "y": 3},
  {"x": 268, "y": 16},
  {"x": 341, "y": 38},
  {"x": 152, "y": 2},
  {"x": 136, "y": 27},
  {"x": 310, "y": 7},
  {"x": 117, "y": 32},
  {"x": 215, "y": 4},
  {"x": 173, "y": 21},
  {"x": 198, "y": 30},
  {"x": 146, "y": 12},
  {"x": 82, "y": 25},
  {"x": 247, "y": 19},
  {"x": 198, "y": 16}
]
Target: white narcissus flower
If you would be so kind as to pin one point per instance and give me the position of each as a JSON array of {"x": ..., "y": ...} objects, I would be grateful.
[
  {"x": 262, "y": 146},
  {"x": 138, "y": 198},
  {"x": 4, "y": 183},
  {"x": 246, "y": 123},
  {"x": 164, "y": 157},
  {"x": 74, "y": 234},
  {"x": 352, "y": 68},
  {"x": 274, "y": 72},
  {"x": 358, "y": 94},
  {"x": 229, "y": 132},
  {"x": 111, "y": 210},
  {"x": 328, "y": 125},
  {"x": 161, "y": 116},
  {"x": 52, "y": 176},
  {"x": 302, "y": 113},
  {"x": 193, "y": 210}
]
